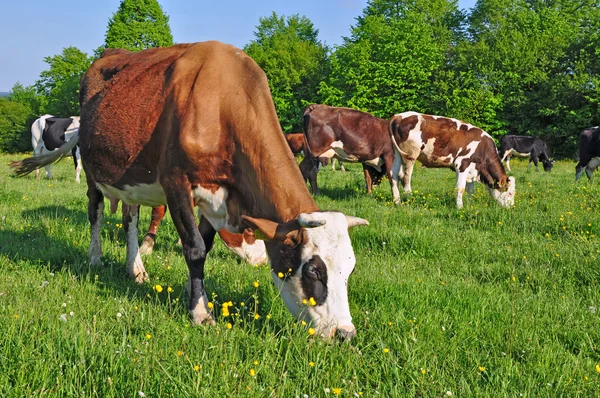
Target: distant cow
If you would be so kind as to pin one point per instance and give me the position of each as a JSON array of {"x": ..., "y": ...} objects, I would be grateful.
[
  {"x": 49, "y": 133},
  {"x": 444, "y": 142},
  {"x": 520, "y": 145},
  {"x": 589, "y": 152},
  {"x": 348, "y": 135},
  {"x": 296, "y": 142},
  {"x": 194, "y": 125}
]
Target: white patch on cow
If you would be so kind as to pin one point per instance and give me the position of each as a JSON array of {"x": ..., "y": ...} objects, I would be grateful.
[
  {"x": 428, "y": 147},
  {"x": 468, "y": 176},
  {"x": 593, "y": 164},
  {"x": 460, "y": 123},
  {"x": 95, "y": 250},
  {"x": 375, "y": 163},
  {"x": 448, "y": 159},
  {"x": 143, "y": 194},
  {"x": 213, "y": 205},
  {"x": 471, "y": 148},
  {"x": 521, "y": 154},
  {"x": 330, "y": 153},
  {"x": 332, "y": 243},
  {"x": 255, "y": 253},
  {"x": 507, "y": 198},
  {"x": 395, "y": 174}
]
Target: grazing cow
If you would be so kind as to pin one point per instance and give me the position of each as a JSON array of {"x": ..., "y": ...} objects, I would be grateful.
[
  {"x": 49, "y": 133},
  {"x": 589, "y": 152},
  {"x": 308, "y": 168},
  {"x": 444, "y": 142},
  {"x": 520, "y": 145},
  {"x": 202, "y": 131},
  {"x": 245, "y": 245},
  {"x": 348, "y": 135}
]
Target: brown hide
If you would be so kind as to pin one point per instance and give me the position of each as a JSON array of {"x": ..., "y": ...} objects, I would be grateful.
[
  {"x": 193, "y": 115},
  {"x": 364, "y": 136},
  {"x": 296, "y": 142}
]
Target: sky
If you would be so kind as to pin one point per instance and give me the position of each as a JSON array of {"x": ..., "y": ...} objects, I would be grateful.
[{"x": 33, "y": 29}]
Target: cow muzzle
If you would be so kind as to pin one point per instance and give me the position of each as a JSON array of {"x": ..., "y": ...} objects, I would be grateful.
[{"x": 344, "y": 333}]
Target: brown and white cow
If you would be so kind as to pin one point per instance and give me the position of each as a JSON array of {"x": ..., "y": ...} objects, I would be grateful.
[
  {"x": 245, "y": 245},
  {"x": 348, "y": 135},
  {"x": 438, "y": 141},
  {"x": 195, "y": 125}
]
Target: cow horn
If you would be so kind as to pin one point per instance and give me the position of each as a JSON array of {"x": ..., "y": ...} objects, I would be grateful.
[
  {"x": 309, "y": 221},
  {"x": 354, "y": 221}
]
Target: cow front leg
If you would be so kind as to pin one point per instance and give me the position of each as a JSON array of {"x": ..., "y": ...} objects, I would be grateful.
[
  {"x": 77, "y": 160},
  {"x": 368, "y": 179},
  {"x": 461, "y": 181},
  {"x": 135, "y": 267},
  {"x": 407, "y": 165},
  {"x": 341, "y": 165},
  {"x": 158, "y": 213},
  {"x": 508, "y": 163},
  {"x": 179, "y": 201},
  {"x": 95, "y": 216},
  {"x": 470, "y": 188}
]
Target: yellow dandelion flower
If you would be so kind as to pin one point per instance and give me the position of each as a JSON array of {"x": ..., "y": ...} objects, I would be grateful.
[
  {"x": 196, "y": 368},
  {"x": 15, "y": 316},
  {"x": 225, "y": 312},
  {"x": 311, "y": 331},
  {"x": 524, "y": 257},
  {"x": 255, "y": 362},
  {"x": 256, "y": 316},
  {"x": 268, "y": 316},
  {"x": 303, "y": 323},
  {"x": 280, "y": 275},
  {"x": 229, "y": 325},
  {"x": 311, "y": 364},
  {"x": 170, "y": 289},
  {"x": 210, "y": 305},
  {"x": 179, "y": 353},
  {"x": 242, "y": 304},
  {"x": 252, "y": 372},
  {"x": 312, "y": 301},
  {"x": 229, "y": 304},
  {"x": 597, "y": 368},
  {"x": 423, "y": 371},
  {"x": 482, "y": 369},
  {"x": 304, "y": 301},
  {"x": 336, "y": 391},
  {"x": 158, "y": 288},
  {"x": 256, "y": 284},
  {"x": 148, "y": 336},
  {"x": 386, "y": 350},
  {"x": 168, "y": 267}
]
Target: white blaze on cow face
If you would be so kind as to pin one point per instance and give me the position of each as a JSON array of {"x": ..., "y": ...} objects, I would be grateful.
[
  {"x": 506, "y": 198},
  {"x": 327, "y": 260}
]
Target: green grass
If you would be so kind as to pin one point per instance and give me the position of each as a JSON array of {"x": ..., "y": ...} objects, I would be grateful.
[{"x": 482, "y": 301}]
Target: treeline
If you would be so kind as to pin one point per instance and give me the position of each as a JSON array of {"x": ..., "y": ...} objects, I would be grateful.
[{"x": 526, "y": 67}]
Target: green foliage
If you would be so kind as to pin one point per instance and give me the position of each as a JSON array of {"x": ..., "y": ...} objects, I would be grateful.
[
  {"x": 60, "y": 83},
  {"x": 29, "y": 97},
  {"x": 138, "y": 25},
  {"x": 295, "y": 61},
  {"x": 15, "y": 135},
  {"x": 481, "y": 302}
]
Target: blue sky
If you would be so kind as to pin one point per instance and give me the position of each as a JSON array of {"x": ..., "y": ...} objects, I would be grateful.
[{"x": 33, "y": 29}]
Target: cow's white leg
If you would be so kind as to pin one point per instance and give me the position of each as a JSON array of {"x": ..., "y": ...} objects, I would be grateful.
[
  {"x": 394, "y": 176},
  {"x": 79, "y": 167},
  {"x": 332, "y": 164},
  {"x": 461, "y": 181},
  {"x": 36, "y": 152},
  {"x": 508, "y": 164},
  {"x": 408, "y": 166},
  {"x": 135, "y": 267},
  {"x": 96, "y": 216},
  {"x": 341, "y": 165}
]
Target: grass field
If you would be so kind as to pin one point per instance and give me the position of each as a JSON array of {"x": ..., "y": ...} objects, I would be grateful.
[{"x": 477, "y": 302}]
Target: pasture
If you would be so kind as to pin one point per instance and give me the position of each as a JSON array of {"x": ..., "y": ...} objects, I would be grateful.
[{"x": 480, "y": 302}]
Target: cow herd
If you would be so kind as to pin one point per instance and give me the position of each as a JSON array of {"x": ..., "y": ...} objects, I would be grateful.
[{"x": 194, "y": 126}]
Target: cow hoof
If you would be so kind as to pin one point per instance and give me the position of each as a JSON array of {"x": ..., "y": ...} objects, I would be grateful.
[
  {"x": 95, "y": 260},
  {"x": 147, "y": 247},
  {"x": 202, "y": 319},
  {"x": 397, "y": 201}
]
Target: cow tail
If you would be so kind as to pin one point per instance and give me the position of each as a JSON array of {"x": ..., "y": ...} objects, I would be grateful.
[
  {"x": 305, "y": 121},
  {"x": 28, "y": 165}
]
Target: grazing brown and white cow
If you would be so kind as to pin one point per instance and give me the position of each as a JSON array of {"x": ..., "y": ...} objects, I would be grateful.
[
  {"x": 438, "y": 141},
  {"x": 201, "y": 130},
  {"x": 348, "y": 135},
  {"x": 589, "y": 152},
  {"x": 245, "y": 245}
]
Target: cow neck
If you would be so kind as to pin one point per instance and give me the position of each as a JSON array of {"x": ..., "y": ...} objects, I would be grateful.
[{"x": 277, "y": 190}]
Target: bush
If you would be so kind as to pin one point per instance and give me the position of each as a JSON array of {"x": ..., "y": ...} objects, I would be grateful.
[{"x": 15, "y": 122}]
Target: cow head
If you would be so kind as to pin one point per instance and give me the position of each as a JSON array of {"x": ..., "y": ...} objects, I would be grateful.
[
  {"x": 311, "y": 260},
  {"x": 504, "y": 192},
  {"x": 548, "y": 164}
]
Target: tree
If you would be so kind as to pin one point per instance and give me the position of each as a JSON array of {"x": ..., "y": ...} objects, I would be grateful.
[
  {"x": 295, "y": 62},
  {"x": 138, "y": 25},
  {"x": 28, "y": 96},
  {"x": 15, "y": 135},
  {"x": 396, "y": 58},
  {"x": 60, "y": 83}
]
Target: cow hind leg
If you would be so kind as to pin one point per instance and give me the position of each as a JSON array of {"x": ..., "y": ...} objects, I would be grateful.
[
  {"x": 158, "y": 213},
  {"x": 408, "y": 166},
  {"x": 193, "y": 245},
  {"x": 95, "y": 216},
  {"x": 461, "y": 182},
  {"x": 77, "y": 160},
  {"x": 135, "y": 267}
]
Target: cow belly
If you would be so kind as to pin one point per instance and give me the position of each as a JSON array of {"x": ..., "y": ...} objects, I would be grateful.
[
  {"x": 593, "y": 163},
  {"x": 375, "y": 163},
  {"x": 142, "y": 194},
  {"x": 337, "y": 151}
]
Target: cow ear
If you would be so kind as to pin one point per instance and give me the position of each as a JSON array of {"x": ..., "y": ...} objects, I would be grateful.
[
  {"x": 290, "y": 233},
  {"x": 354, "y": 221}
]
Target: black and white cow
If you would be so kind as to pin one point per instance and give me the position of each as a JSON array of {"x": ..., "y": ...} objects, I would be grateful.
[
  {"x": 521, "y": 145},
  {"x": 589, "y": 152},
  {"x": 49, "y": 133}
]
